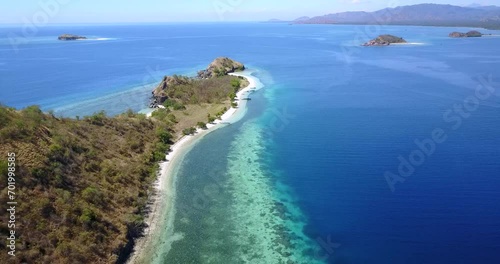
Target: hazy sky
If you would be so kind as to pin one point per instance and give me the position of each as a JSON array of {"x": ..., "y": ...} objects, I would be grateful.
[{"x": 99, "y": 11}]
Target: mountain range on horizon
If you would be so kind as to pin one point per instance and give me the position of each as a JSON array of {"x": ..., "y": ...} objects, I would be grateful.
[{"x": 422, "y": 14}]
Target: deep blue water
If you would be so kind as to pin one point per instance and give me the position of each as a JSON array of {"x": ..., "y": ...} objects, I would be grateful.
[{"x": 333, "y": 119}]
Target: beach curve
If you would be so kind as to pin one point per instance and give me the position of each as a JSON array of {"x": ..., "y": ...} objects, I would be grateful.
[{"x": 161, "y": 209}]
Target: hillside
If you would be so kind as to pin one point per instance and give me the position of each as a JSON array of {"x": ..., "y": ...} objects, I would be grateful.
[
  {"x": 422, "y": 14},
  {"x": 82, "y": 185}
]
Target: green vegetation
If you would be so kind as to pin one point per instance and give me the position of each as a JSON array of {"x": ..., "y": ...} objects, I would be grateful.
[
  {"x": 184, "y": 91},
  {"x": 210, "y": 119},
  {"x": 188, "y": 100},
  {"x": 189, "y": 131},
  {"x": 173, "y": 104},
  {"x": 236, "y": 83},
  {"x": 202, "y": 125}
]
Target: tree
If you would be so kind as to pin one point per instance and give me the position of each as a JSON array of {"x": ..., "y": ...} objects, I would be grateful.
[{"x": 165, "y": 137}]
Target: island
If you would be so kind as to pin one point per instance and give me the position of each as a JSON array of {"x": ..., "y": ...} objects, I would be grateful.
[
  {"x": 384, "y": 40},
  {"x": 470, "y": 34},
  {"x": 70, "y": 37}
]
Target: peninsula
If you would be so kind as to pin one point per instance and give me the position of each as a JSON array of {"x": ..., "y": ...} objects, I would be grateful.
[
  {"x": 215, "y": 78},
  {"x": 94, "y": 176}
]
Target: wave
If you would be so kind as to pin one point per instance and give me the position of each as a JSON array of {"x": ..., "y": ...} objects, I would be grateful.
[
  {"x": 97, "y": 39},
  {"x": 410, "y": 44}
]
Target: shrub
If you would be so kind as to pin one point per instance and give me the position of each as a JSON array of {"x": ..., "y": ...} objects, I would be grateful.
[
  {"x": 93, "y": 195},
  {"x": 210, "y": 119},
  {"x": 88, "y": 216},
  {"x": 160, "y": 151},
  {"x": 172, "y": 118},
  {"x": 58, "y": 153},
  {"x": 97, "y": 118},
  {"x": 235, "y": 83},
  {"x": 189, "y": 131},
  {"x": 33, "y": 114},
  {"x": 170, "y": 103},
  {"x": 202, "y": 125},
  {"x": 179, "y": 106},
  {"x": 164, "y": 136},
  {"x": 5, "y": 116},
  {"x": 130, "y": 113}
]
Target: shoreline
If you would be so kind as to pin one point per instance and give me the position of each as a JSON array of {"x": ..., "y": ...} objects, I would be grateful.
[{"x": 161, "y": 201}]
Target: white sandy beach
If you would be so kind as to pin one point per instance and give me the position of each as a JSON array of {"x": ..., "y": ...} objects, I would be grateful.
[{"x": 161, "y": 213}]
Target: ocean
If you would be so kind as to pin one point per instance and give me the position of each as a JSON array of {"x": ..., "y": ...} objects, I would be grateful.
[{"x": 348, "y": 154}]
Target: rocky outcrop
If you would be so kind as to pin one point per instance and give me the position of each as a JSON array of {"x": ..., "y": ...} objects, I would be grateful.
[
  {"x": 219, "y": 67},
  {"x": 70, "y": 37},
  {"x": 159, "y": 94},
  {"x": 384, "y": 40},
  {"x": 470, "y": 34}
]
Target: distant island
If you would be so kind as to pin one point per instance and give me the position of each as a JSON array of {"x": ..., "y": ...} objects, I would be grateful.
[
  {"x": 470, "y": 34},
  {"x": 70, "y": 37},
  {"x": 298, "y": 20},
  {"x": 384, "y": 40},
  {"x": 419, "y": 15}
]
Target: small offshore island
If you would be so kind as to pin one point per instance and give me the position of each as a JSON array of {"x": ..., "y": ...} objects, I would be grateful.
[
  {"x": 70, "y": 37},
  {"x": 384, "y": 40},
  {"x": 470, "y": 34}
]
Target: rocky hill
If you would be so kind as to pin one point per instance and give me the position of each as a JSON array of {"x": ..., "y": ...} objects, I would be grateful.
[{"x": 220, "y": 67}]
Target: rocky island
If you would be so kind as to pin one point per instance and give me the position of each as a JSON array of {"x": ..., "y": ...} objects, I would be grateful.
[
  {"x": 470, "y": 34},
  {"x": 218, "y": 69},
  {"x": 384, "y": 40},
  {"x": 70, "y": 37}
]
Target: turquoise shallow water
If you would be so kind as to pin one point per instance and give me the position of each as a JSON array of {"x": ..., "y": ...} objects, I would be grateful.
[
  {"x": 300, "y": 179},
  {"x": 237, "y": 207}
]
